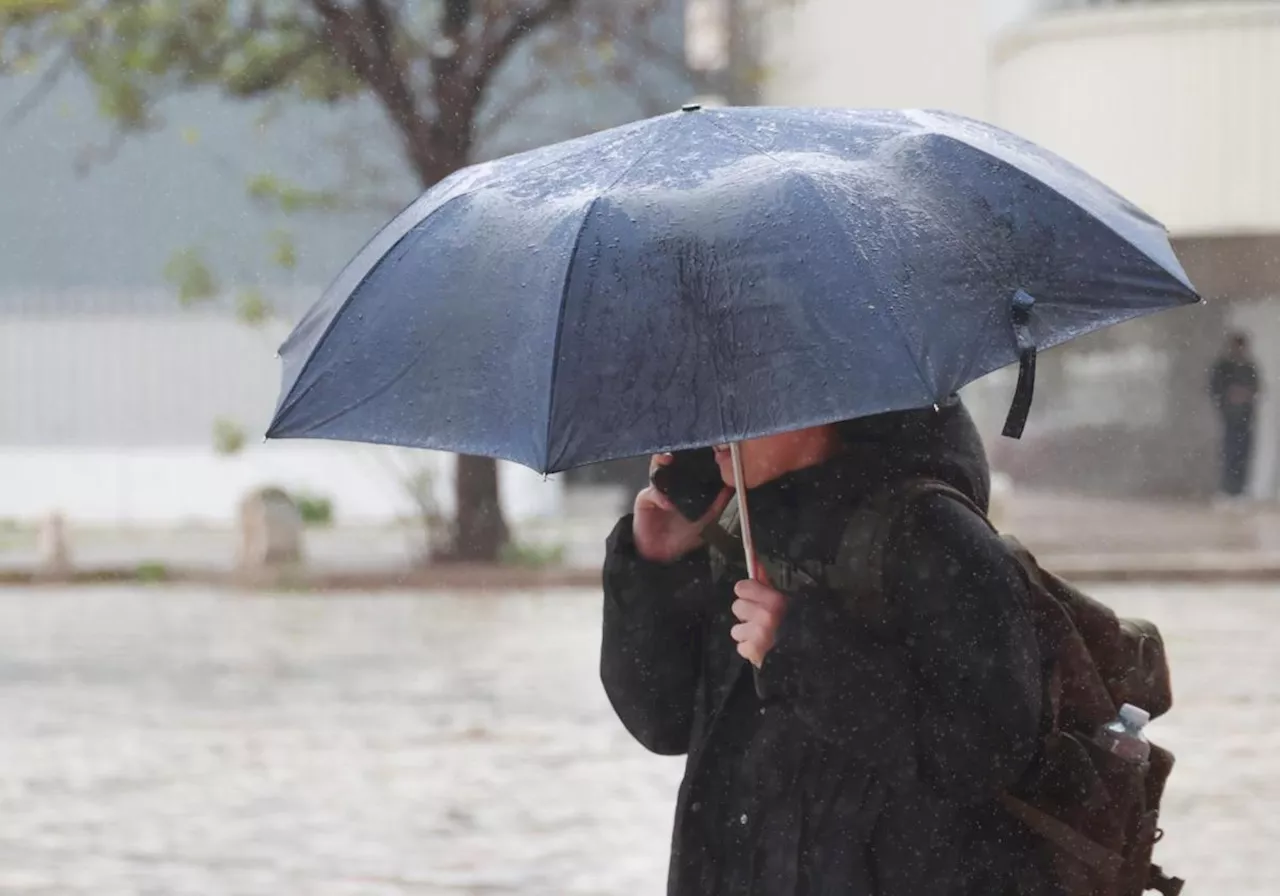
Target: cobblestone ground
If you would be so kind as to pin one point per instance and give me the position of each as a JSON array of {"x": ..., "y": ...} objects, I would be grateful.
[{"x": 177, "y": 742}]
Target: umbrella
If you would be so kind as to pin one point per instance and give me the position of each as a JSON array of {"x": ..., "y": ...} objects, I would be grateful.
[{"x": 715, "y": 275}]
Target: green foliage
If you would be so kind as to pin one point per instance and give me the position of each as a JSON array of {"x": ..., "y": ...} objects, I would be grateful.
[
  {"x": 24, "y": 12},
  {"x": 13, "y": 532},
  {"x": 291, "y": 198},
  {"x": 190, "y": 275},
  {"x": 135, "y": 52},
  {"x": 533, "y": 556},
  {"x": 228, "y": 437},
  {"x": 252, "y": 307},
  {"x": 283, "y": 251},
  {"x": 315, "y": 510},
  {"x": 151, "y": 572}
]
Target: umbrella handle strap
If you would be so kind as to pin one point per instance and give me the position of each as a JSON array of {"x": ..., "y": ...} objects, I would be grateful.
[{"x": 1025, "y": 391}]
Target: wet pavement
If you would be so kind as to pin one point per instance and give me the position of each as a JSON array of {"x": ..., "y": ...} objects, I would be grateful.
[{"x": 185, "y": 741}]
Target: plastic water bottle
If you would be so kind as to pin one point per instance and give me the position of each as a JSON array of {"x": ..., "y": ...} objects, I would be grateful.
[{"x": 1124, "y": 735}]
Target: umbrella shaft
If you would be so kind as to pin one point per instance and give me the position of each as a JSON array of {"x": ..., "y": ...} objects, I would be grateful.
[{"x": 744, "y": 514}]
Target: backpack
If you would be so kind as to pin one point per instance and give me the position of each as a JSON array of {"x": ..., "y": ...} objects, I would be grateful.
[{"x": 1095, "y": 814}]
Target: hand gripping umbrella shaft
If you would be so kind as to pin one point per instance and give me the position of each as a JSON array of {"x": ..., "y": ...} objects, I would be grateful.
[{"x": 748, "y": 543}]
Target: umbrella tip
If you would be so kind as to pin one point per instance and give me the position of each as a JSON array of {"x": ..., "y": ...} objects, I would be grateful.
[{"x": 691, "y": 107}]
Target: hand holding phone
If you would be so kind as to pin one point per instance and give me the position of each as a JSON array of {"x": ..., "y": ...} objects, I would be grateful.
[
  {"x": 663, "y": 531},
  {"x": 690, "y": 479}
]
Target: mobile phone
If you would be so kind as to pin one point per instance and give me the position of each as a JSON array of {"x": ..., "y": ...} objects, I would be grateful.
[{"x": 692, "y": 481}]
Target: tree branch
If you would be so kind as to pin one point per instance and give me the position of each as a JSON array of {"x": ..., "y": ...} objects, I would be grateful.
[
  {"x": 46, "y": 82},
  {"x": 381, "y": 28},
  {"x": 497, "y": 47},
  {"x": 453, "y": 24},
  {"x": 339, "y": 25},
  {"x": 359, "y": 46},
  {"x": 455, "y": 95},
  {"x": 91, "y": 156}
]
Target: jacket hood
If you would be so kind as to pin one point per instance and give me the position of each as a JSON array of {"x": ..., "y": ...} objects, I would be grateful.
[{"x": 941, "y": 443}]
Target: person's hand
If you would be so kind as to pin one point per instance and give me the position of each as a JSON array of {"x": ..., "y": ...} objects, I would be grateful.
[
  {"x": 759, "y": 609},
  {"x": 661, "y": 533}
]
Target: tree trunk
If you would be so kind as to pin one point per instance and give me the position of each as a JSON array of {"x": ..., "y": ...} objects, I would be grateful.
[{"x": 480, "y": 531}]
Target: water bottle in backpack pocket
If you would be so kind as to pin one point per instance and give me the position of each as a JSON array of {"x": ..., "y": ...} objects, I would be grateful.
[{"x": 1124, "y": 736}]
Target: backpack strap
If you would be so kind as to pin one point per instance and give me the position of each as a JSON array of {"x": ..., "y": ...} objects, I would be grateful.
[
  {"x": 914, "y": 489},
  {"x": 860, "y": 561},
  {"x": 1106, "y": 863}
]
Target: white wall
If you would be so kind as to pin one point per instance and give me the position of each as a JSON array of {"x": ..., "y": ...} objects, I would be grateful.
[
  {"x": 122, "y": 378},
  {"x": 1002, "y": 13},
  {"x": 180, "y": 486},
  {"x": 108, "y": 416},
  {"x": 1172, "y": 104},
  {"x": 907, "y": 53}
]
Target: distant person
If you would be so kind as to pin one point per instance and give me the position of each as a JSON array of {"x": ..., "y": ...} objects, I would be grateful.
[{"x": 1234, "y": 387}]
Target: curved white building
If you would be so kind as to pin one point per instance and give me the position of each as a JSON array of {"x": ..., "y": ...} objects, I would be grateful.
[{"x": 1173, "y": 103}]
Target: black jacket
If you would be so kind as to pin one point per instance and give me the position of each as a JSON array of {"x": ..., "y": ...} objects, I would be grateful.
[
  {"x": 895, "y": 723},
  {"x": 1234, "y": 386}
]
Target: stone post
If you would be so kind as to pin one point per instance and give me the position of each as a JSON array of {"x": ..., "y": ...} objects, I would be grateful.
[
  {"x": 54, "y": 563},
  {"x": 271, "y": 534}
]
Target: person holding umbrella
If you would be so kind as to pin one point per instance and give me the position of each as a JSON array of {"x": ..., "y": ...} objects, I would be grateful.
[
  {"x": 747, "y": 278},
  {"x": 888, "y": 725}
]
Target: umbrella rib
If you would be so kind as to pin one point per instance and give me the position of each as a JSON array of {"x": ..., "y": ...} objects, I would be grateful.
[
  {"x": 288, "y": 402},
  {"x": 886, "y": 309},
  {"x": 980, "y": 339},
  {"x": 564, "y": 288},
  {"x": 1187, "y": 289},
  {"x": 285, "y": 403},
  {"x": 403, "y": 443},
  {"x": 368, "y": 396},
  {"x": 808, "y": 178}
]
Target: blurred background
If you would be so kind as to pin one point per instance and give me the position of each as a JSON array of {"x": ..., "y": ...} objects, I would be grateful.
[{"x": 228, "y": 666}]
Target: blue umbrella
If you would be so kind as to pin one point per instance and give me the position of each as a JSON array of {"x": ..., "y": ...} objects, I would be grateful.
[{"x": 716, "y": 275}]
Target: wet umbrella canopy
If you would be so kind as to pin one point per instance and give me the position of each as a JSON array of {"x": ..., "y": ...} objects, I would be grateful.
[{"x": 715, "y": 275}]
